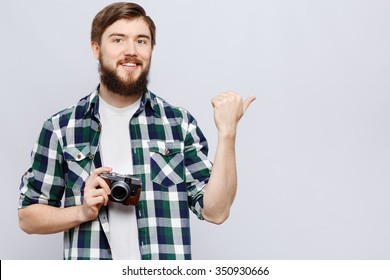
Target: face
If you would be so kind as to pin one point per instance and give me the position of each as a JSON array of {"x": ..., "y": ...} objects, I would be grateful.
[{"x": 124, "y": 54}]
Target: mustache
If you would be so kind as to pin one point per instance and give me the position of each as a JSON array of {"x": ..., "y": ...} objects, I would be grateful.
[{"x": 130, "y": 60}]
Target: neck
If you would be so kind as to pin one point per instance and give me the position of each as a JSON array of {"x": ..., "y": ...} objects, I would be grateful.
[{"x": 116, "y": 100}]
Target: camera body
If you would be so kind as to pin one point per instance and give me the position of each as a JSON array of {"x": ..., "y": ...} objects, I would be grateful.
[{"x": 125, "y": 188}]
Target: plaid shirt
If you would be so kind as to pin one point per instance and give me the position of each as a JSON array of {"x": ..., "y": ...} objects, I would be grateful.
[{"x": 169, "y": 155}]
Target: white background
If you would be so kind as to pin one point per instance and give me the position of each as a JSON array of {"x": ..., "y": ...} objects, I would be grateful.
[{"x": 313, "y": 150}]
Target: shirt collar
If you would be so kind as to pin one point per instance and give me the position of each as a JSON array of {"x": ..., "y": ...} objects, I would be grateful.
[{"x": 147, "y": 99}]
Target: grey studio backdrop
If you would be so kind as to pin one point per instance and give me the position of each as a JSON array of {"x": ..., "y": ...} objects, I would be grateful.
[{"x": 313, "y": 150}]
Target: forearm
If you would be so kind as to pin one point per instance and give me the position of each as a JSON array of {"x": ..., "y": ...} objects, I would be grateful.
[
  {"x": 221, "y": 189},
  {"x": 45, "y": 219},
  {"x": 219, "y": 195}
]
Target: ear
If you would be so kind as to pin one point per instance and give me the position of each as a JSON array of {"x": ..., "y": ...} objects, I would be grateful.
[{"x": 95, "y": 49}]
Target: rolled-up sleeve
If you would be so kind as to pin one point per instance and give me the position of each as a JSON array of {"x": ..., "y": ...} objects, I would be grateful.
[
  {"x": 197, "y": 166},
  {"x": 44, "y": 182}
]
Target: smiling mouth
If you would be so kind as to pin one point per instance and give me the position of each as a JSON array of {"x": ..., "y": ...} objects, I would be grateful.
[{"x": 129, "y": 64}]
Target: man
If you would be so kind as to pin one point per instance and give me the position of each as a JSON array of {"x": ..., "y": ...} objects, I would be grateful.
[{"x": 124, "y": 128}]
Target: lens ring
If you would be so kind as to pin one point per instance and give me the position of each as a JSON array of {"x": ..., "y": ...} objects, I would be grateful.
[{"x": 120, "y": 191}]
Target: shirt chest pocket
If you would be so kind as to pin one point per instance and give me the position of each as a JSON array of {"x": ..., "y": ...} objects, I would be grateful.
[
  {"x": 166, "y": 162},
  {"x": 79, "y": 161}
]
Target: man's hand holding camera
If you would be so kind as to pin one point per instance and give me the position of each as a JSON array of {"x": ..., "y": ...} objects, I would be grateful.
[
  {"x": 104, "y": 185},
  {"x": 96, "y": 194}
]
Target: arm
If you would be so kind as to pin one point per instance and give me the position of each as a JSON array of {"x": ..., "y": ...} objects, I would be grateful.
[
  {"x": 221, "y": 188},
  {"x": 45, "y": 219}
]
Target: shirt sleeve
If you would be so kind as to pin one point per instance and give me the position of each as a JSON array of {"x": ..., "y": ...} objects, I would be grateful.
[
  {"x": 44, "y": 183},
  {"x": 197, "y": 166}
]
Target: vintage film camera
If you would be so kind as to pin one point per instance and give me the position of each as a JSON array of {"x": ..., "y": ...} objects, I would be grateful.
[{"x": 124, "y": 188}]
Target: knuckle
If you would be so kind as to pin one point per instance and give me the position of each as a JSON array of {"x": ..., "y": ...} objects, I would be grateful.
[{"x": 94, "y": 172}]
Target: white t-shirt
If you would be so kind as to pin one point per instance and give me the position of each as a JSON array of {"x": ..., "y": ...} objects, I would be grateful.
[{"x": 115, "y": 147}]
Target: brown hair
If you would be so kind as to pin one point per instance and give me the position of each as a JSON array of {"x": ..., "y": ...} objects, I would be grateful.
[{"x": 115, "y": 12}]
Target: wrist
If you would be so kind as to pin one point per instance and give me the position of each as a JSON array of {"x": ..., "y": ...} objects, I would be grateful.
[
  {"x": 228, "y": 134},
  {"x": 81, "y": 216}
]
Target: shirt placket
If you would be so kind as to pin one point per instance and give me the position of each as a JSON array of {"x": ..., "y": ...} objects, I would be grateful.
[
  {"x": 96, "y": 128},
  {"x": 136, "y": 130}
]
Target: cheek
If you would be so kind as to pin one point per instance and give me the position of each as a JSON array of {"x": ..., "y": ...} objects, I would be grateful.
[
  {"x": 108, "y": 62},
  {"x": 109, "y": 56},
  {"x": 145, "y": 54}
]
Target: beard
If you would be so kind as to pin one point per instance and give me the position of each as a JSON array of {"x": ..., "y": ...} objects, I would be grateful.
[{"x": 130, "y": 87}]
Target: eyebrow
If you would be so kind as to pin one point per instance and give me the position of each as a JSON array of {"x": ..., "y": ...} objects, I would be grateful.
[{"x": 124, "y": 35}]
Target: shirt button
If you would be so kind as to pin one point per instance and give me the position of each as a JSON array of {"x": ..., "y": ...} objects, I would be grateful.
[
  {"x": 79, "y": 156},
  {"x": 99, "y": 127},
  {"x": 166, "y": 152},
  {"x": 91, "y": 156}
]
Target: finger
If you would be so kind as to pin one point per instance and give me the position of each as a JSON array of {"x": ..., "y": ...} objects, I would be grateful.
[
  {"x": 91, "y": 198},
  {"x": 97, "y": 187},
  {"x": 105, "y": 198},
  {"x": 248, "y": 102},
  {"x": 96, "y": 202},
  {"x": 100, "y": 170},
  {"x": 103, "y": 184},
  {"x": 92, "y": 201},
  {"x": 100, "y": 192},
  {"x": 223, "y": 97}
]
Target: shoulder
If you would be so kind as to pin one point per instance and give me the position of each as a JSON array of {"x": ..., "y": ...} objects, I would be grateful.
[
  {"x": 166, "y": 109},
  {"x": 74, "y": 113}
]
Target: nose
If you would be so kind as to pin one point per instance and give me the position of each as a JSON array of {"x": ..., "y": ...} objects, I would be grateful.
[{"x": 130, "y": 49}]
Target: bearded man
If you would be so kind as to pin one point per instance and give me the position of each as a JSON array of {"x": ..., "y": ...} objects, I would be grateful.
[{"x": 125, "y": 132}]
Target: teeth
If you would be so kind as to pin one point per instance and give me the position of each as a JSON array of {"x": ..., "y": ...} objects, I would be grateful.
[{"x": 129, "y": 64}]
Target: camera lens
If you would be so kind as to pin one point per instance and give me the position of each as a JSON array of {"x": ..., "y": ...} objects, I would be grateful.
[{"x": 120, "y": 191}]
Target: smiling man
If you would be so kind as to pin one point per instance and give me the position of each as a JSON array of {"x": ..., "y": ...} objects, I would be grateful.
[
  {"x": 124, "y": 51},
  {"x": 123, "y": 131}
]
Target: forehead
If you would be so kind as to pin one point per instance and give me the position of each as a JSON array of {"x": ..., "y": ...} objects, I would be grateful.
[{"x": 133, "y": 27}]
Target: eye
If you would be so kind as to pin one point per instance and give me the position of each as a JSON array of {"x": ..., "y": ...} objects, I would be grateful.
[
  {"x": 142, "y": 41},
  {"x": 118, "y": 40}
]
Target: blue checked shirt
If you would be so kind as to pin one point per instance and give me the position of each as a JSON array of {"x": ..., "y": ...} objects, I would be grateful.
[{"x": 169, "y": 155}]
